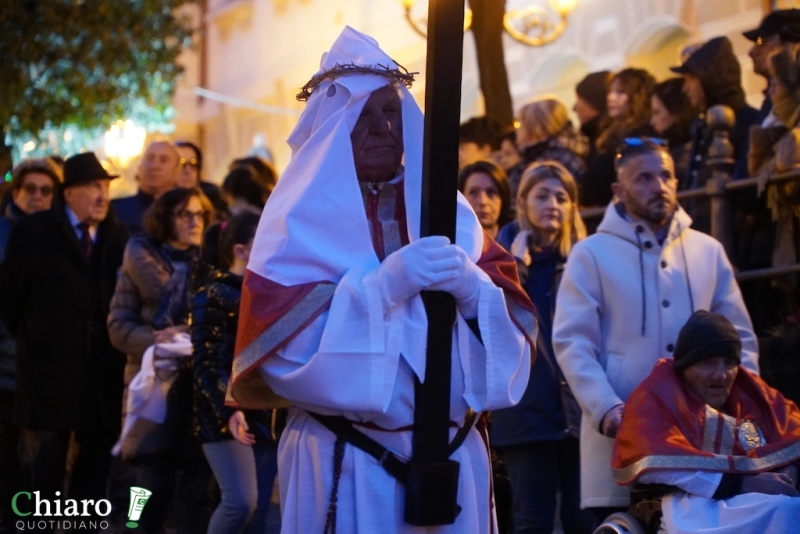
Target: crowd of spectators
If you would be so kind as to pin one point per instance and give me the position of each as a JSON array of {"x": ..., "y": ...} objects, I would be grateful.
[
  {"x": 107, "y": 302},
  {"x": 92, "y": 285}
]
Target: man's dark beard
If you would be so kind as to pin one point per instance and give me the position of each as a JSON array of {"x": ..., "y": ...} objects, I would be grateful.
[{"x": 661, "y": 220}]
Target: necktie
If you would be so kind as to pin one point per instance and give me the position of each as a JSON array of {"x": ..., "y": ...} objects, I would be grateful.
[{"x": 86, "y": 239}]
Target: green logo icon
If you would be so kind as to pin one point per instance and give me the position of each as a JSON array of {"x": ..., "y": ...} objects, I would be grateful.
[{"x": 139, "y": 498}]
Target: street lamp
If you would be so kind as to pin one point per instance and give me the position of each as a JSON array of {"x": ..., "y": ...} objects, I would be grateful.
[
  {"x": 532, "y": 25},
  {"x": 420, "y": 24},
  {"x": 123, "y": 142}
]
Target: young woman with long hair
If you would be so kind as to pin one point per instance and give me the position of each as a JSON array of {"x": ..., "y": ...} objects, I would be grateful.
[{"x": 538, "y": 438}]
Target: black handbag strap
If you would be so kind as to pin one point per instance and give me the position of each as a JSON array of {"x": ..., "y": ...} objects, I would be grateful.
[{"x": 398, "y": 469}]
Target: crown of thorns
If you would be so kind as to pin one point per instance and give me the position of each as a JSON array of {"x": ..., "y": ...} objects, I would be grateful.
[{"x": 399, "y": 73}]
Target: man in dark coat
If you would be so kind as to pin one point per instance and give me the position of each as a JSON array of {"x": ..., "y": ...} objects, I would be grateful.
[{"x": 57, "y": 279}]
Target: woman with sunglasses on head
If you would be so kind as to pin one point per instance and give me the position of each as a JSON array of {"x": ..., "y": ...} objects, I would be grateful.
[
  {"x": 151, "y": 306},
  {"x": 538, "y": 438},
  {"x": 628, "y": 108}
]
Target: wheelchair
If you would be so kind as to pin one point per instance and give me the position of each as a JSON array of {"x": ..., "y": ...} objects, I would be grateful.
[{"x": 643, "y": 516}]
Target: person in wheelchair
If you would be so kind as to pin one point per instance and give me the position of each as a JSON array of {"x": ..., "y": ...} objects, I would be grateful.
[{"x": 724, "y": 444}]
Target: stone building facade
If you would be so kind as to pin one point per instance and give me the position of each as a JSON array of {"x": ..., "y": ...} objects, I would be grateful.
[{"x": 255, "y": 54}]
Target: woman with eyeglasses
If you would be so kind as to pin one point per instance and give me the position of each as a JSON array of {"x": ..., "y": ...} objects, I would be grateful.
[
  {"x": 538, "y": 438},
  {"x": 151, "y": 306},
  {"x": 628, "y": 108}
]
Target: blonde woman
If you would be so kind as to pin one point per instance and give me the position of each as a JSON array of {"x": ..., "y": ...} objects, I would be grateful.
[
  {"x": 546, "y": 133},
  {"x": 538, "y": 438}
]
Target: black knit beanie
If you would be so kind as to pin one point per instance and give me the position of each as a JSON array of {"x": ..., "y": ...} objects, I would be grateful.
[
  {"x": 706, "y": 335},
  {"x": 593, "y": 89}
]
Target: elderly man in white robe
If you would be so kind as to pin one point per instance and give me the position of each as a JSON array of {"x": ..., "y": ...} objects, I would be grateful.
[{"x": 332, "y": 321}]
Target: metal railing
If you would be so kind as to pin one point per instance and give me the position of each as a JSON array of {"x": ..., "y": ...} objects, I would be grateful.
[{"x": 717, "y": 190}]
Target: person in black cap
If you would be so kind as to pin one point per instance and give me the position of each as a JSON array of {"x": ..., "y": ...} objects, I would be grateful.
[
  {"x": 723, "y": 444},
  {"x": 712, "y": 76},
  {"x": 777, "y": 28},
  {"x": 57, "y": 280}
]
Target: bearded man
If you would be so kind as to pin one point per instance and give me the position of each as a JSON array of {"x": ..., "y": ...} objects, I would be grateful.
[{"x": 626, "y": 292}]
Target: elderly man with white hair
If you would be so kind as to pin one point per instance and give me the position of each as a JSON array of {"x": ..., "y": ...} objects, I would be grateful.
[{"x": 332, "y": 319}]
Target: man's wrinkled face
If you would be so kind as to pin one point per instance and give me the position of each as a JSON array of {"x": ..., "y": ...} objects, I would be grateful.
[
  {"x": 712, "y": 379},
  {"x": 647, "y": 187},
  {"x": 89, "y": 201},
  {"x": 377, "y": 137}
]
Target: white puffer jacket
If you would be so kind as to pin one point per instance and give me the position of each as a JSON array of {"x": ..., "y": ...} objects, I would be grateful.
[{"x": 622, "y": 301}]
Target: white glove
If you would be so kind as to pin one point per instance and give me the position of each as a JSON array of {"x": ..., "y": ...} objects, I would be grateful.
[
  {"x": 465, "y": 286},
  {"x": 416, "y": 266},
  {"x": 519, "y": 247}
]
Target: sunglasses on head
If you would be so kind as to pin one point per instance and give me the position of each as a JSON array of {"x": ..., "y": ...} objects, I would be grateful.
[{"x": 633, "y": 143}]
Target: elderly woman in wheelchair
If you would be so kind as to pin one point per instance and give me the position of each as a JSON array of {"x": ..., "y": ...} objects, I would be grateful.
[{"x": 711, "y": 441}]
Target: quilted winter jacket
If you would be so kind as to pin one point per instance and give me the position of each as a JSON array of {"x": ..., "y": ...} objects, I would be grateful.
[{"x": 141, "y": 302}]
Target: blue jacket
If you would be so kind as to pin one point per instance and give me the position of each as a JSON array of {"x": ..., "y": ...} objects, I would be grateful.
[{"x": 547, "y": 411}]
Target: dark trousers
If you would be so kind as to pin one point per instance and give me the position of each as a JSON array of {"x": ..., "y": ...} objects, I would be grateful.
[
  {"x": 10, "y": 478},
  {"x": 538, "y": 471},
  {"x": 43, "y": 462},
  {"x": 192, "y": 484}
]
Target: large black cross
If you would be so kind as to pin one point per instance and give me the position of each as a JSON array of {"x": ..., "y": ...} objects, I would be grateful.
[{"x": 432, "y": 475}]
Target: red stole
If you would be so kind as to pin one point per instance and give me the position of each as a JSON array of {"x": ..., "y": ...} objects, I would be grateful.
[
  {"x": 668, "y": 426},
  {"x": 271, "y": 314}
]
